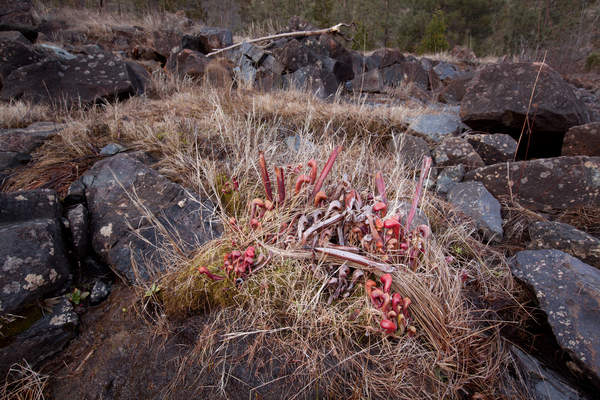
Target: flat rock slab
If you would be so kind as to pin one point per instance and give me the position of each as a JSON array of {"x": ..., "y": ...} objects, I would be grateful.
[
  {"x": 545, "y": 184},
  {"x": 434, "y": 127},
  {"x": 568, "y": 291},
  {"x": 564, "y": 237},
  {"x": 473, "y": 199},
  {"x": 498, "y": 99},
  {"x": 130, "y": 239},
  {"x": 583, "y": 140},
  {"x": 45, "y": 338},
  {"x": 93, "y": 75}
]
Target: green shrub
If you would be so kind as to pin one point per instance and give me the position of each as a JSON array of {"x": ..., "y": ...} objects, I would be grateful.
[
  {"x": 434, "y": 39},
  {"x": 592, "y": 62}
]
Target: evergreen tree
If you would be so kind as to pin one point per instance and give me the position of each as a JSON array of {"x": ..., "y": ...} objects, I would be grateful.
[{"x": 434, "y": 39}]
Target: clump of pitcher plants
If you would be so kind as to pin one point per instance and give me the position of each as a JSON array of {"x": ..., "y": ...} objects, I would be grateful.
[{"x": 352, "y": 235}]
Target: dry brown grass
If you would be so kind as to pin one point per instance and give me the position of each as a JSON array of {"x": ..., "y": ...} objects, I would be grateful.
[
  {"x": 19, "y": 114},
  {"x": 23, "y": 383},
  {"x": 202, "y": 136}
]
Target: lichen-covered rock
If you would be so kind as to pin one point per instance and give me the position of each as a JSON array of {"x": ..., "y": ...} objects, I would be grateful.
[
  {"x": 493, "y": 148},
  {"x": 448, "y": 178},
  {"x": 32, "y": 257},
  {"x": 474, "y": 200},
  {"x": 446, "y": 71},
  {"x": 293, "y": 55},
  {"x": 583, "y": 140},
  {"x": 15, "y": 52},
  {"x": 17, "y": 12},
  {"x": 384, "y": 57},
  {"x": 33, "y": 263},
  {"x": 568, "y": 291},
  {"x": 435, "y": 127},
  {"x": 46, "y": 337},
  {"x": 405, "y": 72},
  {"x": 544, "y": 184},
  {"x": 455, "y": 89},
  {"x": 498, "y": 99},
  {"x": 317, "y": 81},
  {"x": 92, "y": 75},
  {"x": 132, "y": 240},
  {"x": 100, "y": 291},
  {"x": 564, "y": 237},
  {"x": 454, "y": 151}
]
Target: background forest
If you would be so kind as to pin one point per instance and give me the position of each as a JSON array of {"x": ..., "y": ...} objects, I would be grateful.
[{"x": 567, "y": 29}]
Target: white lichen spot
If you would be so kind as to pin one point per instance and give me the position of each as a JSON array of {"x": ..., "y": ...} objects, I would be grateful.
[
  {"x": 53, "y": 275},
  {"x": 59, "y": 320},
  {"x": 21, "y": 198},
  {"x": 181, "y": 203},
  {"x": 11, "y": 288},
  {"x": 34, "y": 281},
  {"x": 11, "y": 264},
  {"x": 106, "y": 231}
]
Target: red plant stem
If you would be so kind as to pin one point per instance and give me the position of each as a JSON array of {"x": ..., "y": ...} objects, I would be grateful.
[
  {"x": 380, "y": 184},
  {"x": 280, "y": 184},
  {"x": 415, "y": 201},
  {"x": 302, "y": 179},
  {"x": 210, "y": 275},
  {"x": 265, "y": 175},
  {"x": 326, "y": 170},
  {"x": 313, "y": 170}
]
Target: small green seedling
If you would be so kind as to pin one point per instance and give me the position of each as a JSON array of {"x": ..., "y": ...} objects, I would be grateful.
[
  {"x": 77, "y": 296},
  {"x": 154, "y": 289}
]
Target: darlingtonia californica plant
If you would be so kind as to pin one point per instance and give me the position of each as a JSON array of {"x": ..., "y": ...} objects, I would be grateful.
[{"x": 352, "y": 235}]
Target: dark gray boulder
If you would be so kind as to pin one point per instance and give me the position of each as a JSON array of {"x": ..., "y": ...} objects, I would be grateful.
[
  {"x": 384, "y": 57},
  {"x": 45, "y": 338},
  {"x": 582, "y": 140},
  {"x": 493, "y": 148},
  {"x": 446, "y": 71},
  {"x": 434, "y": 127},
  {"x": 454, "y": 151},
  {"x": 564, "y": 237},
  {"x": 15, "y": 52},
  {"x": 369, "y": 82},
  {"x": 410, "y": 148},
  {"x": 32, "y": 255},
  {"x": 133, "y": 240},
  {"x": 17, "y": 12},
  {"x": 473, "y": 199},
  {"x": 498, "y": 99},
  {"x": 448, "y": 178},
  {"x": 91, "y": 76},
  {"x": 317, "y": 81},
  {"x": 568, "y": 292},
  {"x": 541, "y": 382},
  {"x": 207, "y": 39},
  {"x": 544, "y": 184},
  {"x": 293, "y": 55}
]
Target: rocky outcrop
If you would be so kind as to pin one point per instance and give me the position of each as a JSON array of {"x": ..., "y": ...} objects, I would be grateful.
[
  {"x": 207, "y": 39},
  {"x": 564, "y": 237},
  {"x": 15, "y": 52},
  {"x": 448, "y": 178},
  {"x": 187, "y": 62},
  {"x": 85, "y": 76},
  {"x": 474, "y": 200},
  {"x": 583, "y": 140},
  {"x": 544, "y": 184},
  {"x": 32, "y": 256},
  {"x": 135, "y": 212},
  {"x": 568, "y": 292},
  {"x": 498, "y": 97},
  {"x": 411, "y": 149}
]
